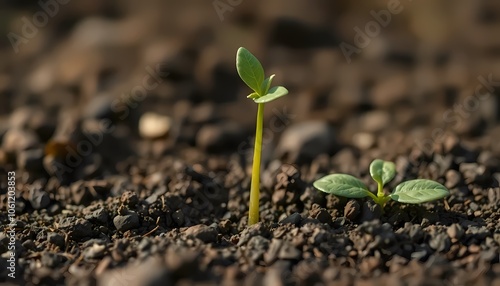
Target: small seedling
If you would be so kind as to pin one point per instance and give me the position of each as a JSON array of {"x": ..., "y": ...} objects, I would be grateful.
[
  {"x": 410, "y": 192},
  {"x": 252, "y": 73}
]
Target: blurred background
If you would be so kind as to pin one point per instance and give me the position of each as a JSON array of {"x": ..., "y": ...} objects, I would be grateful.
[{"x": 157, "y": 77}]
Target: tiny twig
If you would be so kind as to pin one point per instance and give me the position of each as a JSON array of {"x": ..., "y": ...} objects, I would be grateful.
[{"x": 154, "y": 229}]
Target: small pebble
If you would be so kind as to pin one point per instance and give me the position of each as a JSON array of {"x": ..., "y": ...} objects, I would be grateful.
[
  {"x": 154, "y": 126},
  {"x": 203, "y": 232},
  {"x": 452, "y": 179},
  {"x": 352, "y": 210},
  {"x": 126, "y": 222},
  {"x": 294, "y": 218},
  {"x": 455, "y": 231}
]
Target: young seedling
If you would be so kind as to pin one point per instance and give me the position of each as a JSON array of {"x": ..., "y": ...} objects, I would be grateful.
[
  {"x": 251, "y": 72},
  {"x": 410, "y": 192}
]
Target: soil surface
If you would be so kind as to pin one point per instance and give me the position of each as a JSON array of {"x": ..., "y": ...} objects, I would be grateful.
[{"x": 131, "y": 140}]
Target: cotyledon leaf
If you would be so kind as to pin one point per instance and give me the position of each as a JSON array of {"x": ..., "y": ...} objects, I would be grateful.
[
  {"x": 342, "y": 185},
  {"x": 250, "y": 70},
  {"x": 273, "y": 93},
  {"x": 419, "y": 191}
]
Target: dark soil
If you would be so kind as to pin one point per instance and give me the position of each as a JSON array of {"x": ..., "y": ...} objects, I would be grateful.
[{"x": 114, "y": 189}]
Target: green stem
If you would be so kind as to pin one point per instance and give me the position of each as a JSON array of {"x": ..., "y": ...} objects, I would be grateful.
[
  {"x": 253, "y": 213},
  {"x": 380, "y": 190},
  {"x": 381, "y": 198},
  {"x": 371, "y": 195}
]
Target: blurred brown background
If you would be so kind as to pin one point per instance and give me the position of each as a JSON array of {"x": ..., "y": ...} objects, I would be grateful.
[{"x": 411, "y": 74}]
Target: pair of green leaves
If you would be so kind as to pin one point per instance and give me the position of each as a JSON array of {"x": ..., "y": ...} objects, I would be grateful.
[
  {"x": 411, "y": 192},
  {"x": 251, "y": 72}
]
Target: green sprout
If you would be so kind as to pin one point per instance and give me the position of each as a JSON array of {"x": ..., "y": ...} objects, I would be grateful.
[
  {"x": 251, "y": 72},
  {"x": 411, "y": 192}
]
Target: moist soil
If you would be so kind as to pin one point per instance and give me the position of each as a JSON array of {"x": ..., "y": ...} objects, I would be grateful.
[
  {"x": 117, "y": 188},
  {"x": 170, "y": 221}
]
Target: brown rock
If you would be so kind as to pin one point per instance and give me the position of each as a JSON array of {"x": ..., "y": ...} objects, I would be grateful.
[
  {"x": 352, "y": 210},
  {"x": 202, "y": 232}
]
